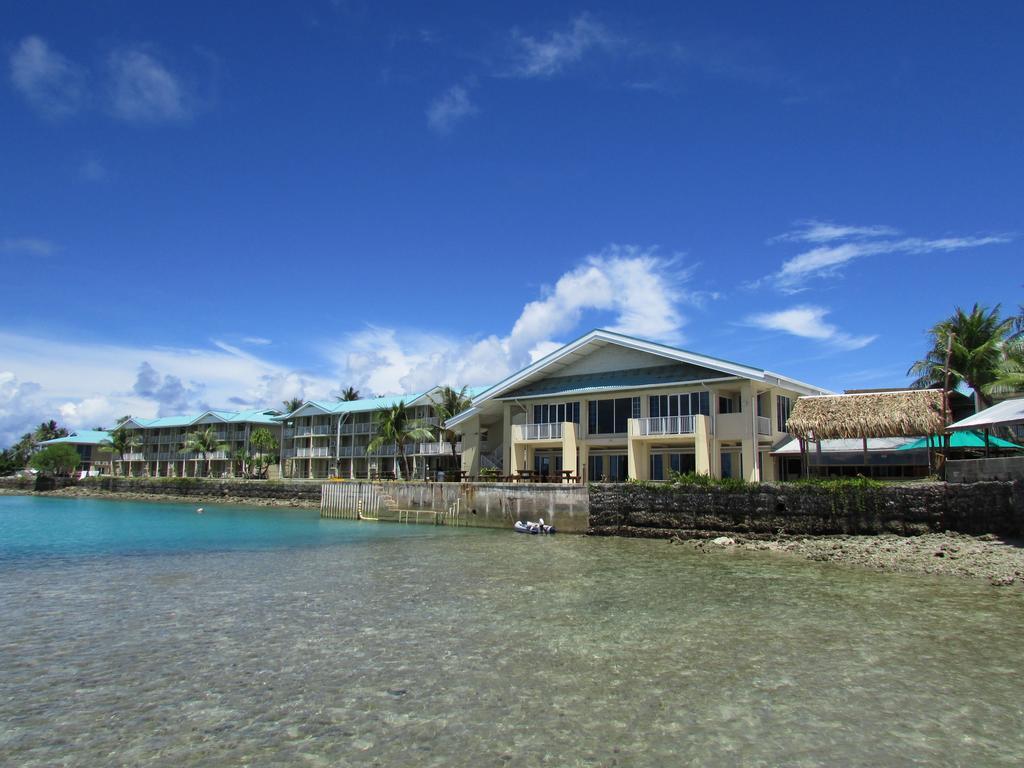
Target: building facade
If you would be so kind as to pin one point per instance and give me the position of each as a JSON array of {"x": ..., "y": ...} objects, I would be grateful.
[
  {"x": 331, "y": 439},
  {"x": 90, "y": 444},
  {"x": 159, "y": 449},
  {"x": 608, "y": 407}
]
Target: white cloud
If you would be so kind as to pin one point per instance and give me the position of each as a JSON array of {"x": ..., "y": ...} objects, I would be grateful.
[
  {"x": 450, "y": 108},
  {"x": 549, "y": 55},
  {"x": 638, "y": 288},
  {"x": 808, "y": 322},
  {"x": 143, "y": 89},
  {"x": 91, "y": 384},
  {"x": 257, "y": 341},
  {"x": 835, "y": 245},
  {"x": 53, "y": 85},
  {"x": 27, "y": 246}
]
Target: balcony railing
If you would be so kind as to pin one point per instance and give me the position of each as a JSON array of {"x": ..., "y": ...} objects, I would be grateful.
[
  {"x": 134, "y": 457},
  {"x": 552, "y": 431},
  {"x": 665, "y": 425},
  {"x": 437, "y": 449},
  {"x": 313, "y": 453},
  {"x": 357, "y": 429},
  {"x": 764, "y": 425},
  {"x": 317, "y": 429}
]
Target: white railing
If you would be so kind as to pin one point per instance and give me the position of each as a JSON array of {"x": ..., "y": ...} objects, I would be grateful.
[
  {"x": 361, "y": 428},
  {"x": 134, "y": 457},
  {"x": 215, "y": 455},
  {"x": 436, "y": 449},
  {"x": 665, "y": 425},
  {"x": 312, "y": 453},
  {"x": 287, "y": 453},
  {"x": 552, "y": 431},
  {"x": 287, "y": 433},
  {"x": 764, "y": 425}
]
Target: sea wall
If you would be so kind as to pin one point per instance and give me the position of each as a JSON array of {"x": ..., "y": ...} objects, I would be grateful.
[
  {"x": 207, "y": 487},
  {"x": 481, "y": 505},
  {"x": 797, "y": 509}
]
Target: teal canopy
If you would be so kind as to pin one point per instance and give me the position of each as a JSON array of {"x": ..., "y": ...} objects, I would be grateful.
[{"x": 962, "y": 439}]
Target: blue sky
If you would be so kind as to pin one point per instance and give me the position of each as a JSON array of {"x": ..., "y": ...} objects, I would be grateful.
[{"x": 220, "y": 204}]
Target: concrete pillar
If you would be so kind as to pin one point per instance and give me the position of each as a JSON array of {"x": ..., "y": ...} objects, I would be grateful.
[
  {"x": 570, "y": 453},
  {"x": 583, "y": 451},
  {"x": 768, "y": 468},
  {"x": 471, "y": 446},
  {"x": 639, "y": 460},
  {"x": 704, "y": 444},
  {"x": 508, "y": 462}
]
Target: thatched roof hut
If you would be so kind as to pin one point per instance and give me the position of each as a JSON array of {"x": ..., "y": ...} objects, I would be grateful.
[{"x": 913, "y": 412}]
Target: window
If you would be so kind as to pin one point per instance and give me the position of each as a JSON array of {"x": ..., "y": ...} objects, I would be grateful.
[
  {"x": 664, "y": 463},
  {"x": 611, "y": 417},
  {"x": 726, "y": 404},
  {"x": 618, "y": 468},
  {"x": 595, "y": 468},
  {"x": 783, "y": 406},
  {"x": 556, "y": 413},
  {"x": 690, "y": 404}
]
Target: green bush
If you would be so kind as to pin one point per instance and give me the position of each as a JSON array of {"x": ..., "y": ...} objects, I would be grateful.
[
  {"x": 694, "y": 480},
  {"x": 59, "y": 459}
]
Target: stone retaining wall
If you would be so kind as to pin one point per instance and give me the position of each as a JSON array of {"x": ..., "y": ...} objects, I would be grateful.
[
  {"x": 191, "y": 486},
  {"x": 768, "y": 509}
]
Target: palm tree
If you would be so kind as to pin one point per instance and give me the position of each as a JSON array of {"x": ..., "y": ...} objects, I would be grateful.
[
  {"x": 450, "y": 403},
  {"x": 394, "y": 425},
  {"x": 48, "y": 430},
  {"x": 122, "y": 442},
  {"x": 292, "y": 404},
  {"x": 348, "y": 394},
  {"x": 978, "y": 338},
  {"x": 203, "y": 441},
  {"x": 264, "y": 443}
]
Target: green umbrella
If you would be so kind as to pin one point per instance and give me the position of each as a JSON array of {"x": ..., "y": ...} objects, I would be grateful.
[{"x": 960, "y": 439}]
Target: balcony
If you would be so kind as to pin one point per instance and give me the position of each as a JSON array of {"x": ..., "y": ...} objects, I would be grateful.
[
  {"x": 438, "y": 449},
  {"x": 525, "y": 432},
  {"x": 312, "y": 453},
  {"x": 359, "y": 428},
  {"x": 133, "y": 457},
  {"x": 314, "y": 430},
  {"x": 665, "y": 425}
]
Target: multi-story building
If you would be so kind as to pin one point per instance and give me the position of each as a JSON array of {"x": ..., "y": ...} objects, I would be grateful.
[
  {"x": 611, "y": 407},
  {"x": 90, "y": 444},
  {"x": 159, "y": 449},
  {"x": 324, "y": 439}
]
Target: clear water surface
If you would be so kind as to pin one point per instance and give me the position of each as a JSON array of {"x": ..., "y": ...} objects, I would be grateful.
[{"x": 147, "y": 634}]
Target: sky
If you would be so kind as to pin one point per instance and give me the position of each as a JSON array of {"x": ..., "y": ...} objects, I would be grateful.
[{"x": 230, "y": 204}]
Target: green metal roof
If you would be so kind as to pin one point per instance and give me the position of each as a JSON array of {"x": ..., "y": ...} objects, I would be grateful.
[
  {"x": 961, "y": 439},
  {"x": 81, "y": 437},
  {"x": 254, "y": 416}
]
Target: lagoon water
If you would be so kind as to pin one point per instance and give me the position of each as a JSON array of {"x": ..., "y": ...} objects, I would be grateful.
[{"x": 147, "y": 634}]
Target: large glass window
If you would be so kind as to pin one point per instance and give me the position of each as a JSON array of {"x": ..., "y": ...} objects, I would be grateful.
[
  {"x": 618, "y": 468},
  {"x": 688, "y": 404},
  {"x": 611, "y": 417},
  {"x": 662, "y": 464},
  {"x": 595, "y": 469},
  {"x": 783, "y": 406},
  {"x": 556, "y": 413}
]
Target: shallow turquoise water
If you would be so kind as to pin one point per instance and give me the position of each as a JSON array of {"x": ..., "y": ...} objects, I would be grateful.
[{"x": 134, "y": 634}]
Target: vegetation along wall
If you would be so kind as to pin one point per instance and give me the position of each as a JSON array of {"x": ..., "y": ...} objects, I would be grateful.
[{"x": 766, "y": 510}]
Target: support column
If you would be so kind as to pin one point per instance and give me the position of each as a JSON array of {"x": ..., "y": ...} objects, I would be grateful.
[
  {"x": 704, "y": 444},
  {"x": 639, "y": 460},
  {"x": 569, "y": 446},
  {"x": 470, "y": 462}
]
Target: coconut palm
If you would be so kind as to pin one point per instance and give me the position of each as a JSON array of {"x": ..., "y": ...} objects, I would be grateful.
[
  {"x": 978, "y": 338},
  {"x": 292, "y": 404},
  {"x": 348, "y": 394},
  {"x": 122, "y": 442},
  {"x": 448, "y": 404},
  {"x": 49, "y": 430},
  {"x": 204, "y": 442},
  {"x": 394, "y": 425}
]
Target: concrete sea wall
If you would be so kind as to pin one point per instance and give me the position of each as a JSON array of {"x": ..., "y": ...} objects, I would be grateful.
[
  {"x": 797, "y": 509},
  {"x": 978, "y": 470},
  {"x": 481, "y": 505},
  {"x": 207, "y": 487}
]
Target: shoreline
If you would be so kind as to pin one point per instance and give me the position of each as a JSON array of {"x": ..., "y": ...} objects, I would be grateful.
[
  {"x": 1000, "y": 561},
  {"x": 73, "y": 492}
]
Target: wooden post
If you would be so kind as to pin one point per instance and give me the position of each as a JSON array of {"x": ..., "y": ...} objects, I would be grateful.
[{"x": 805, "y": 470}]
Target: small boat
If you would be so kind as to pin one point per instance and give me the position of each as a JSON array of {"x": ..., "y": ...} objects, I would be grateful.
[{"x": 531, "y": 527}]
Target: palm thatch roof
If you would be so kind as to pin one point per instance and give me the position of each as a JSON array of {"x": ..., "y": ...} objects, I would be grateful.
[{"x": 907, "y": 413}]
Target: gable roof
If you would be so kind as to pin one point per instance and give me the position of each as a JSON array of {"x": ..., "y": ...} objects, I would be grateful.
[
  {"x": 1006, "y": 413},
  {"x": 548, "y": 368},
  {"x": 311, "y": 407},
  {"x": 253, "y": 416}
]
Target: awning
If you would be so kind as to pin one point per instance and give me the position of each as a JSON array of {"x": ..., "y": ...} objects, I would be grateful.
[
  {"x": 961, "y": 440},
  {"x": 1004, "y": 414}
]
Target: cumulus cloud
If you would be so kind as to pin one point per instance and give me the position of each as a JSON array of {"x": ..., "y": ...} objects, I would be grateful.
[
  {"x": 835, "y": 245},
  {"x": 628, "y": 289},
  {"x": 548, "y": 55},
  {"x": 808, "y": 322},
  {"x": 143, "y": 89},
  {"x": 170, "y": 393},
  {"x": 22, "y": 406},
  {"x": 450, "y": 108},
  {"x": 53, "y": 85}
]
